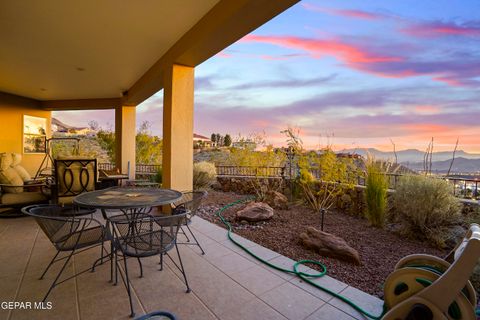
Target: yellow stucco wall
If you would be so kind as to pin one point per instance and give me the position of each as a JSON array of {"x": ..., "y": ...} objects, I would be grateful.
[{"x": 12, "y": 110}]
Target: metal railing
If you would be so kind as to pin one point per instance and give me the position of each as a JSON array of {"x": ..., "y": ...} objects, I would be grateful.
[
  {"x": 142, "y": 170},
  {"x": 461, "y": 187},
  {"x": 252, "y": 171}
]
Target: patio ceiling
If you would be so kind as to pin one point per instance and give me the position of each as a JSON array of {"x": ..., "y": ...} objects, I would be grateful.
[{"x": 99, "y": 53}]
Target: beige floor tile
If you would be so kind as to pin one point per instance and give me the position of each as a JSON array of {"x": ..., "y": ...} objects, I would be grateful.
[
  {"x": 204, "y": 226},
  {"x": 327, "y": 312},
  {"x": 282, "y": 262},
  {"x": 232, "y": 263},
  {"x": 257, "y": 280},
  {"x": 291, "y": 301},
  {"x": 264, "y": 253},
  {"x": 325, "y": 281},
  {"x": 63, "y": 297},
  {"x": 165, "y": 291},
  {"x": 215, "y": 250},
  {"x": 254, "y": 309},
  {"x": 369, "y": 303},
  {"x": 219, "y": 235}
]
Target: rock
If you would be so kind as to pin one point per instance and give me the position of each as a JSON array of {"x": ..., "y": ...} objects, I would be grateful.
[
  {"x": 254, "y": 212},
  {"x": 329, "y": 245},
  {"x": 276, "y": 200}
]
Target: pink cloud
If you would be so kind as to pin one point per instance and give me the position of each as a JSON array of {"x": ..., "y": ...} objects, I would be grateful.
[
  {"x": 427, "y": 109},
  {"x": 457, "y": 71},
  {"x": 345, "y": 52},
  {"x": 440, "y": 29},
  {"x": 349, "y": 13},
  {"x": 223, "y": 54}
]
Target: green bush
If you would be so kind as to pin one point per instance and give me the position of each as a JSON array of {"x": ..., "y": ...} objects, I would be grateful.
[
  {"x": 204, "y": 175},
  {"x": 425, "y": 208},
  {"x": 158, "y": 177},
  {"x": 376, "y": 194}
]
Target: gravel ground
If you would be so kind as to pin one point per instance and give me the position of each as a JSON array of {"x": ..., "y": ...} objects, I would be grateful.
[{"x": 379, "y": 249}]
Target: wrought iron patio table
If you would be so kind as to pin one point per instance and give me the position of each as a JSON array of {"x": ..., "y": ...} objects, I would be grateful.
[
  {"x": 127, "y": 198},
  {"x": 132, "y": 202}
]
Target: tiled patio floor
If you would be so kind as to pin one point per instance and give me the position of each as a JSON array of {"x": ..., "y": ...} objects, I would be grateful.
[{"x": 226, "y": 283}]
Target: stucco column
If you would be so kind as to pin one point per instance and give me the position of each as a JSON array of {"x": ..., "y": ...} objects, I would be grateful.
[
  {"x": 178, "y": 128},
  {"x": 125, "y": 131}
]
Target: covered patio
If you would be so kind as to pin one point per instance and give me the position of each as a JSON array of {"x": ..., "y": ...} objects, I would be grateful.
[{"x": 226, "y": 283}]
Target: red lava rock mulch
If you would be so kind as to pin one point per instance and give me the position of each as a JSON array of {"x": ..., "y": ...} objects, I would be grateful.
[{"x": 379, "y": 249}]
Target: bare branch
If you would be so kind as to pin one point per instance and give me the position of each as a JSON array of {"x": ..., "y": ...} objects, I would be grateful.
[
  {"x": 453, "y": 157},
  {"x": 394, "y": 151}
]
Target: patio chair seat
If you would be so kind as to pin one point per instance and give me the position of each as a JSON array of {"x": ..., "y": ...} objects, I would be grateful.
[
  {"x": 81, "y": 239},
  {"x": 22, "y": 198},
  {"x": 147, "y": 244}
]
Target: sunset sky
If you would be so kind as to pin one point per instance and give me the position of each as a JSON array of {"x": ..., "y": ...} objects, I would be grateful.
[{"x": 351, "y": 73}]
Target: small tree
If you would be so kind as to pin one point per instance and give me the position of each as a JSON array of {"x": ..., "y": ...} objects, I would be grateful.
[
  {"x": 335, "y": 175},
  {"x": 93, "y": 125},
  {"x": 213, "y": 137},
  {"x": 148, "y": 147},
  {"x": 106, "y": 139},
  {"x": 227, "y": 141}
]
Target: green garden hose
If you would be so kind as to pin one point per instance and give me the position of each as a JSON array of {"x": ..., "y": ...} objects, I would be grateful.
[{"x": 304, "y": 276}]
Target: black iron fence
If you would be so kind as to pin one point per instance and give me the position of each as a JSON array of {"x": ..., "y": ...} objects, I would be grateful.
[
  {"x": 461, "y": 186},
  {"x": 252, "y": 171},
  {"x": 141, "y": 170}
]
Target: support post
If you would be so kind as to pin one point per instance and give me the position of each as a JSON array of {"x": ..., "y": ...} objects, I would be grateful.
[
  {"x": 178, "y": 128},
  {"x": 125, "y": 131}
]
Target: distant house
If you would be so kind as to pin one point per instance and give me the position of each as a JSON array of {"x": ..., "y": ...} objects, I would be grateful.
[
  {"x": 200, "y": 142},
  {"x": 68, "y": 130}
]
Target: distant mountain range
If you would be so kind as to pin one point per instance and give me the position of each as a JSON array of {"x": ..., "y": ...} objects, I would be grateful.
[{"x": 413, "y": 159}]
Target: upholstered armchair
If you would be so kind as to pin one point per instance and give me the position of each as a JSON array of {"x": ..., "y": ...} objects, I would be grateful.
[
  {"x": 17, "y": 189},
  {"x": 73, "y": 176}
]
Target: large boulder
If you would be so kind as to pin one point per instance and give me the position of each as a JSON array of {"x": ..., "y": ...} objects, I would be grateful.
[
  {"x": 276, "y": 200},
  {"x": 329, "y": 245},
  {"x": 254, "y": 212}
]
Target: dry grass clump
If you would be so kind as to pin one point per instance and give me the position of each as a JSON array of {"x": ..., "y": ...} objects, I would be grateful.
[
  {"x": 425, "y": 208},
  {"x": 204, "y": 175},
  {"x": 376, "y": 192}
]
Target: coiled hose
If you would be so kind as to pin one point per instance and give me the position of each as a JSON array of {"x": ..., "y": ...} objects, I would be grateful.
[{"x": 304, "y": 276}]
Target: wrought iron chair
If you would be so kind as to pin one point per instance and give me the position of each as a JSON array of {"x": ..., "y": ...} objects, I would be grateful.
[
  {"x": 68, "y": 234},
  {"x": 189, "y": 203},
  {"x": 73, "y": 177},
  {"x": 140, "y": 235}
]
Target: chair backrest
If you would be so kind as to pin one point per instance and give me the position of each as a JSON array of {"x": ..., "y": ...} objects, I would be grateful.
[
  {"x": 55, "y": 226},
  {"x": 191, "y": 201},
  {"x": 74, "y": 176},
  {"x": 143, "y": 234}
]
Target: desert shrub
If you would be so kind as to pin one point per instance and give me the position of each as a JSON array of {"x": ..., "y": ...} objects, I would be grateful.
[
  {"x": 376, "y": 192},
  {"x": 158, "y": 177},
  {"x": 204, "y": 175},
  {"x": 425, "y": 207}
]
